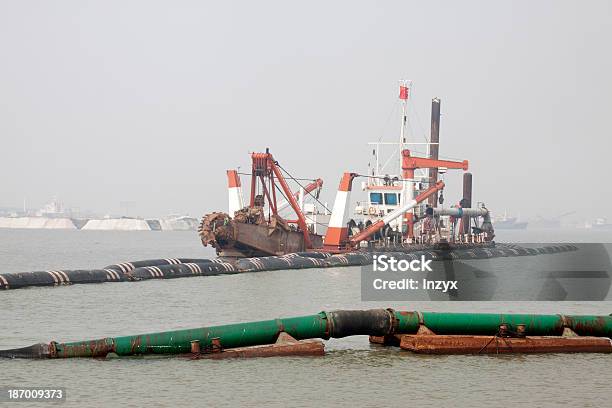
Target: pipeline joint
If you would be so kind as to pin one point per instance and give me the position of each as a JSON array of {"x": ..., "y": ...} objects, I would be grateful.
[
  {"x": 394, "y": 321},
  {"x": 328, "y": 325},
  {"x": 53, "y": 349}
]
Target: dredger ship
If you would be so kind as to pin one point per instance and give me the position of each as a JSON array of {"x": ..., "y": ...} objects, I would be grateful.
[
  {"x": 402, "y": 217},
  {"x": 400, "y": 210}
]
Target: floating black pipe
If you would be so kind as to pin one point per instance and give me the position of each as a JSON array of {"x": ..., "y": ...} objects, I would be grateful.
[{"x": 165, "y": 269}]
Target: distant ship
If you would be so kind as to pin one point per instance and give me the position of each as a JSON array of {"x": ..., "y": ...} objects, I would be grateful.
[
  {"x": 506, "y": 222},
  {"x": 601, "y": 224},
  {"x": 541, "y": 222}
]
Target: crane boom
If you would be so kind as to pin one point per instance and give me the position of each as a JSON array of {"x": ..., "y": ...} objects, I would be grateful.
[{"x": 318, "y": 183}]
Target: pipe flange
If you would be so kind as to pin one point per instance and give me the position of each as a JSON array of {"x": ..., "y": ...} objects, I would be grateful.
[{"x": 394, "y": 321}]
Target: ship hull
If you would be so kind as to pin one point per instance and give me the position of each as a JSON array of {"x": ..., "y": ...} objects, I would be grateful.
[{"x": 261, "y": 240}]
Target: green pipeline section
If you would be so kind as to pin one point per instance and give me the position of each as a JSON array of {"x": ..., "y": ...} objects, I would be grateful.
[
  {"x": 325, "y": 325},
  {"x": 488, "y": 323}
]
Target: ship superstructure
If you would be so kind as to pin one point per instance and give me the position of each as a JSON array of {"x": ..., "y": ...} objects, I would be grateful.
[{"x": 411, "y": 176}]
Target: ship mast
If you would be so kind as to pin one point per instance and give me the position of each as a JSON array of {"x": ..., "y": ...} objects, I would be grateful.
[
  {"x": 404, "y": 93},
  {"x": 407, "y": 185}
]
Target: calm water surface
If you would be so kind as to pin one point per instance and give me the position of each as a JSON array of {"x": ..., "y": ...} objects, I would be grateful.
[{"x": 353, "y": 373}]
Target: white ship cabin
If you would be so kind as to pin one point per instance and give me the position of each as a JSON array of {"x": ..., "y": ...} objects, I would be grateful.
[{"x": 383, "y": 195}]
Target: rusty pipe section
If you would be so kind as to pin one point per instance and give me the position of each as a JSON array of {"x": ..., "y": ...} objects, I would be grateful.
[{"x": 336, "y": 324}]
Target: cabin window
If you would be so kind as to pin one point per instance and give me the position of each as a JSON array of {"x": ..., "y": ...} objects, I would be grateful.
[
  {"x": 390, "y": 198},
  {"x": 376, "y": 198}
]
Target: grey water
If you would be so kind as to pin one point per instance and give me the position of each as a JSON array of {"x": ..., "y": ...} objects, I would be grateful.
[{"x": 353, "y": 372}]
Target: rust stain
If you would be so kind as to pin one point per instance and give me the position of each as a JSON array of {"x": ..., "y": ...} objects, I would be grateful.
[
  {"x": 389, "y": 340},
  {"x": 443, "y": 344},
  {"x": 594, "y": 327},
  {"x": 135, "y": 343},
  {"x": 298, "y": 348}
]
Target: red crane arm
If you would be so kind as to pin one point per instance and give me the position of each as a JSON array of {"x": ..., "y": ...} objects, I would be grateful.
[
  {"x": 294, "y": 204},
  {"x": 410, "y": 163},
  {"x": 310, "y": 187}
]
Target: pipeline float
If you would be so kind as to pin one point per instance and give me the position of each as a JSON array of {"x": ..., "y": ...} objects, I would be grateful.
[
  {"x": 419, "y": 332},
  {"x": 188, "y": 267}
]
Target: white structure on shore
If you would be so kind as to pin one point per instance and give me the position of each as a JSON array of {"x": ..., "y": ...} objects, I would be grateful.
[
  {"x": 54, "y": 215},
  {"x": 118, "y": 224},
  {"x": 37, "y": 223},
  {"x": 178, "y": 223},
  {"x": 170, "y": 223}
]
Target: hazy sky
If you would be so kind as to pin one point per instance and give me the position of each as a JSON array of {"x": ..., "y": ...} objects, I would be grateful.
[{"x": 150, "y": 101}]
